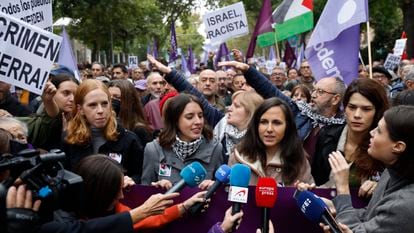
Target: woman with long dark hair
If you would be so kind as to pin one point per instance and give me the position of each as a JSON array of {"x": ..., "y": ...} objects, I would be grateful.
[
  {"x": 365, "y": 102},
  {"x": 185, "y": 138},
  {"x": 272, "y": 147}
]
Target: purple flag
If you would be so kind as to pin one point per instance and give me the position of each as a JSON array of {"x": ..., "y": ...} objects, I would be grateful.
[
  {"x": 263, "y": 25},
  {"x": 300, "y": 55},
  {"x": 184, "y": 68},
  {"x": 222, "y": 54},
  {"x": 66, "y": 57},
  {"x": 155, "y": 49},
  {"x": 191, "y": 65},
  {"x": 334, "y": 45},
  {"x": 289, "y": 57},
  {"x": 272, "y": 55},
  {"x": 173, "y": 42},
  {"x": 148, "y": 48}
]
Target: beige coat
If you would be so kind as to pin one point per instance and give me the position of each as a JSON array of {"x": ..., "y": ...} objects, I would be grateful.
[{"x": 273, "y": 169}]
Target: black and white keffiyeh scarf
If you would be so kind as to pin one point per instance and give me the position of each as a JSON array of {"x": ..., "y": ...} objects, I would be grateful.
[
  {"x": 185, "y": 149},
  {"x": 317, "y": 119},
  {"x": 231, "y": 134}
]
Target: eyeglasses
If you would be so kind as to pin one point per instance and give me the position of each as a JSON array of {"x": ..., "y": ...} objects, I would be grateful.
[
  {"x": 321, "y": 92},
  {"x": 305, "y": 67}
]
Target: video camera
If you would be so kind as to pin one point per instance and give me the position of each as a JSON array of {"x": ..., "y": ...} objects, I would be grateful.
[{"x": 45, "y": 176}]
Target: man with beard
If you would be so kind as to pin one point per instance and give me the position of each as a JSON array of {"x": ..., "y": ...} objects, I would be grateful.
[
  {"x": 155, "y": 87},
  {"x": 151, "y": 102},
  {"x": 306, "y": 77},
  {"x": 208, "y": 86},
  {"x": 223, "y": 92}
]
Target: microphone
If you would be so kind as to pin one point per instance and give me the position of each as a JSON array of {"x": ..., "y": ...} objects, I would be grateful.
[
  {"x": 313, "y": 207},
  {"x": 222, "y": 176},
  {"x": 239, "y": 183},
  {"x": 191, "y": 175},
  {"x": 266, "y": 195}
]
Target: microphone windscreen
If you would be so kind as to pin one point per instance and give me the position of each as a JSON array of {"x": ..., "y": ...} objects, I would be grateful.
[
  {"x": 240, "y": 175},
  {"x": 266, "y": 192},
  {"x": 311, "y": 205},
  {"x": 193, "y": 174},
  {"x": 223, "y": 174}
]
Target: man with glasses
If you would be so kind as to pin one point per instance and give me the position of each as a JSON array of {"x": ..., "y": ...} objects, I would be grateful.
[
  {"x": 306, "y": 77},
  {"x": 278, "y": 77}
]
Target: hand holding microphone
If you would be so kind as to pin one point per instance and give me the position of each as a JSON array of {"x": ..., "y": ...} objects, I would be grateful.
[
  {"x": 191, "y": 175},
  {"x": 315, "y": 209},
  {"x": 222, "y": 176}
]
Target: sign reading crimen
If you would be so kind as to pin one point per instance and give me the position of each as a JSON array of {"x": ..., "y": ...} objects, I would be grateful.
[
  {"x": 225, "y": 23},
  {"x": 34, "y": 12},
  {"x": 26, "y": 53}
]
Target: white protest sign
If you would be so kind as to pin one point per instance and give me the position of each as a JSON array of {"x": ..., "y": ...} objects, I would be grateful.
[
  {"x": 399, "y": 46},
  {"x": 392, "y": 61},
  {"x": 27, "y": 53},
  {"x": 225, "y": 23},
  {"x": 133, "y": 61},
  {"x": 35, "y": 12}
]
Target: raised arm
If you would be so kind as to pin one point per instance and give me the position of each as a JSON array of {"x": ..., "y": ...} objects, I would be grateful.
[{"x": 212, "y": 114}]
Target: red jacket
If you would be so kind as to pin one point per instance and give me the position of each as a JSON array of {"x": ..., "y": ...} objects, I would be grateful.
[{"x": 157, "y": 221}]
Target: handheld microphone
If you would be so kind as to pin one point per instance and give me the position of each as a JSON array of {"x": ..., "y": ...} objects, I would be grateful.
[
  {"x": 266, "y": 195},
  {"x": 239, "y": 183},
  {"x": 222, "y": 176},
  {"x": 313, "y": 207},
  {"x": 191, "y": 175}
]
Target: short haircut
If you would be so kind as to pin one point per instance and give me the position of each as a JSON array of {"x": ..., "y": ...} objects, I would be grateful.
[{"x": 122, "y": 67}]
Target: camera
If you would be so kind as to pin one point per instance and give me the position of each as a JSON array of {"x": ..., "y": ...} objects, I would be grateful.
[{"x": 45, "y": 176}]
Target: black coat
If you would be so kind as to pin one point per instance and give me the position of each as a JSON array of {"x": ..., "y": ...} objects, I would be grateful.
[
  {"x": 13, "y": 106},
  {"x": 128, "y": 146},
  {"x": 327, "y": 142}
]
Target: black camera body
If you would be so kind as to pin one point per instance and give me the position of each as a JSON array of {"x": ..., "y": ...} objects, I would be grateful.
[{"x": 46, "y": 177}]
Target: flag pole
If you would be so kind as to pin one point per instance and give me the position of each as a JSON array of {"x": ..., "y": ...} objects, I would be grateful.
[
  {"x": 277, "y": 50},
  {"x": 369, "y": 51}
]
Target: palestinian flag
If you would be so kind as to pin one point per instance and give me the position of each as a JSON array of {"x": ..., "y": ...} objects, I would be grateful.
[{"x": 290, "y": 18}]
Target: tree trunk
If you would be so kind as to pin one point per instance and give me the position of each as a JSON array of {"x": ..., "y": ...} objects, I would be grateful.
[{"x": 407, "y": 8}]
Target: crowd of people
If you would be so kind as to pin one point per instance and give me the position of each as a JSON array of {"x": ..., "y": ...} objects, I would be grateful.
[{"x": 120, "y": 127}]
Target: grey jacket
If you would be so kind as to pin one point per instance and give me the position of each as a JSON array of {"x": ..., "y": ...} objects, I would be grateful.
[
  {"x": 209, "y": 154},
  {"x": 391, "y": 208}
]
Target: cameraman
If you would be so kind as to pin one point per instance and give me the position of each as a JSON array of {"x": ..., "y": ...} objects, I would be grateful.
[{"x": 22, "y": 215}]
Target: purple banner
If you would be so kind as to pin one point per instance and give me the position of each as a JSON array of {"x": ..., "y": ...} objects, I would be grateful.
[
  {"x": 336, "y": 58},
  {"x": 285, "y": 215}
]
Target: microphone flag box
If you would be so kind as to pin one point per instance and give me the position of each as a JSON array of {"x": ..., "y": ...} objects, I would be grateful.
[{"x": 238, "y": 194}]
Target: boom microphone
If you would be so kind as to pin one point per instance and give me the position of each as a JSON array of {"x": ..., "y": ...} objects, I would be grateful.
[
  {"x": 222, "y": 176},
  {"x": 266, "y": 195},
  {"x": 313, "y": 207},
  {"x": 191, "y": 175}
]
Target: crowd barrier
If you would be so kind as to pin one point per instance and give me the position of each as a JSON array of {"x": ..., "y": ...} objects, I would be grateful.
[{"x": 285, "y": 215}]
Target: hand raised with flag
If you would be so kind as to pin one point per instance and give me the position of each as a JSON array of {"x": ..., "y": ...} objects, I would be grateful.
[
  {"x": 161, "y": 67},
  {"x": 235, "y": 64}
]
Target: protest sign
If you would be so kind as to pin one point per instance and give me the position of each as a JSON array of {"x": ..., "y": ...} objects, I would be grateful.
[
  {"x": 133, "y": 61},
  {"x": 26, "y": 53},
  {"x": 392, "y": 61},
  {"x": 225, "y": 23},
  {"x": 34, "y": 12},
  {"x": 399, "y": 46}
]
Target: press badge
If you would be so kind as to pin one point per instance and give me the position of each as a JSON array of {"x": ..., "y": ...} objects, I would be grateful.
[
  {"x": 164, "y": 170},
  {"x": 116, "y": 157}
]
